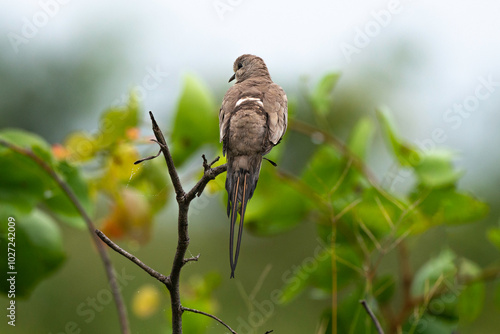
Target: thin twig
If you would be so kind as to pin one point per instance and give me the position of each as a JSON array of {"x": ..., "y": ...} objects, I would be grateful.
[
  {"x": 122, "y": 311},
  {"x": 342, "y": 177},
  {"x": 168, "y": 157},
  {"x": 210, "y": 316},
  {"x": 374, "y": 318},
  {"x": 210, "y": 174},
  {"x": 206, "y": 165},
  {"x": 192, "y": 258},
  {"x": 347, "y": 208},
  {"x": 162, "y": 278},
  {"x": 148, "y": 158}
]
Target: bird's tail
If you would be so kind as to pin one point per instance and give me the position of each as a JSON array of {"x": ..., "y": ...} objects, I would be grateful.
[{"x": 242, "y": 176}]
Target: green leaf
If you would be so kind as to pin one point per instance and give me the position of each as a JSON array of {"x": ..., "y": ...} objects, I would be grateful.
[
  {"x": 494, "y": 236},
  {"x": 468, "y": 269},
  {"x": 324, "y": 170},
  {"x": 59, "y": 202},
  {"x": 81, "y": 146},
  {"x": 361, "y": 137},
  {"x": 430, "y": 324},
  {"x": 471, "y": 301},
  {"x": 276, "y": 206},
  {"x": 436, "y": 170},
  {"x": 384, "y": 288},
  {"x": 195, "y": 121},
  {"x": 444, "y": 306},
  {"x": 321, "y": 97},
  {"x": 38, "y": 249},
  {"x": 451, "y": 207},
  {"x": 351, "y": 315},
  {"x": 381, "y": 215},
  {"x": 316, "y": 271},
  {"x": 115, "y": 122},
  {"x": 406, "y": 154},
  {"x": 437, "y": 270},
  {"x": 151, "y": 181},
  {"x": 27, "y": 140},
  {"x": 496, "y": 297},
  {"x": 23, "y": 182}
]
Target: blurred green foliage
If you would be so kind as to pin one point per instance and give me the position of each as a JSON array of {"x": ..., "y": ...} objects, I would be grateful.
[{"x": 357, "y": 220}]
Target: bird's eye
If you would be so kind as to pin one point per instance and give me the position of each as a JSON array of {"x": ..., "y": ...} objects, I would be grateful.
[{"x": 240, "y": 65}]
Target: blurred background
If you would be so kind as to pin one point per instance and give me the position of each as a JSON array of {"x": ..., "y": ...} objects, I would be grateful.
[{"x": 435, "y": 65}]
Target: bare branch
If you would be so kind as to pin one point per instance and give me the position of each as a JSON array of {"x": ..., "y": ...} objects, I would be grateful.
[
  {"x": 162, "y": 278},
  {"x": 122, "y": 311},
  {"x": 210, "y": 316},
  {"x": 168, "y": 157},
  {"x": 210, "y": 174},
  {"x": 207, "y": 165},
  {"x": 374, "y": 318}
]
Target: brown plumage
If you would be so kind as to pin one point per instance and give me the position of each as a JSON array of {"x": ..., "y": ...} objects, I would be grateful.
[{"x": 252, "y": 120}]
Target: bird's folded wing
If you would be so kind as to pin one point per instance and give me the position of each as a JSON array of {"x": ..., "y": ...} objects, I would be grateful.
[
  {"x": 276, "y": 106},
  {"x": 225, "y": 113}
]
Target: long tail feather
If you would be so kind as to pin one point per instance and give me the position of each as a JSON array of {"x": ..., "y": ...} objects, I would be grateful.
[
  {"x": 244, "y": 201},
  {"x": 241, "y": 180},
  {"x": 233, "y": 222}
]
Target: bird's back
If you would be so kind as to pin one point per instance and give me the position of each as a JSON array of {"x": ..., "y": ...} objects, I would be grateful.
[{"x": 252, "y": 120}]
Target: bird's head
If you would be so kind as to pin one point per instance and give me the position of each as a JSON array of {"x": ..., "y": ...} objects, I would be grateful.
[{"x": 249, "y": 66}]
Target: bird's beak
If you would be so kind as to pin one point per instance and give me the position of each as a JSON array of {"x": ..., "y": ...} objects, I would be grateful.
[{"x": 232, "y": 78}]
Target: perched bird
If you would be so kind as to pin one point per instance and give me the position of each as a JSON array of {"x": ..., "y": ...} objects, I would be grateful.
[{"x": 252, "y": 120}]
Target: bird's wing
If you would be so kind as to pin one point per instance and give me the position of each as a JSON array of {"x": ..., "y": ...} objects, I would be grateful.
[
  {"x": 276, "y": 106},
  {"x": 225, "y": 113}
]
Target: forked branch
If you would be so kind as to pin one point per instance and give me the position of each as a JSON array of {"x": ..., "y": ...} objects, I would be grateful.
[{"x": 183, "y": 201}]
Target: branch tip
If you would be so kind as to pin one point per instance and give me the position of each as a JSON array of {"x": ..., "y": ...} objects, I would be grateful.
[
  {"x": 210, "y": 316},
  {"x": 372, "y": 316},
  {"x": 192, "y": 258},
  {"x": 207, "y": 166},
  {"x": 150, "y": 157}
]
